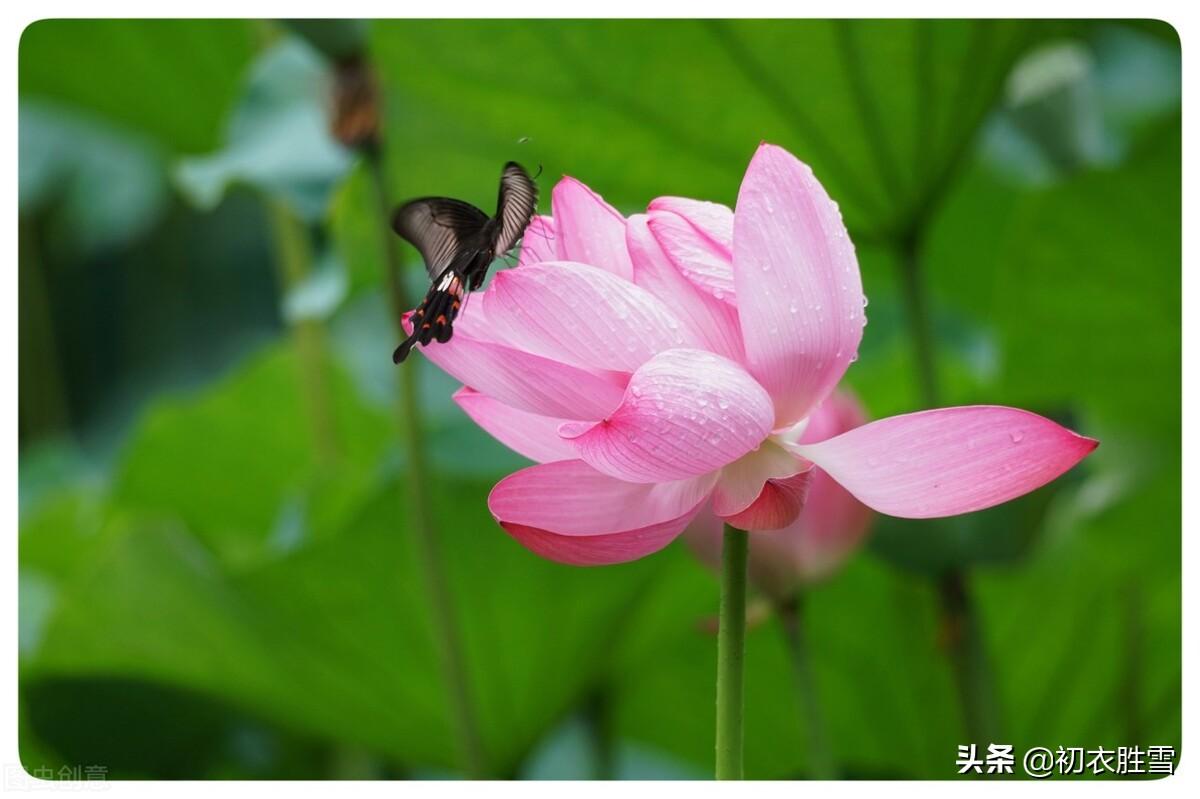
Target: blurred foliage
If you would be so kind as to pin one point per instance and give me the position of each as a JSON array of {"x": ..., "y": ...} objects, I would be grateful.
[
  {"x": 277, "y": 139},
  {"x": 101, "y": 188},
  {"x": 172, "y": 80},
  {"x": 205, "y": 591}
]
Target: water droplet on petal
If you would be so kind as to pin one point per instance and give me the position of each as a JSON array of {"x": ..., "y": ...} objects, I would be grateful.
[{"x": 1016, "y": 436}]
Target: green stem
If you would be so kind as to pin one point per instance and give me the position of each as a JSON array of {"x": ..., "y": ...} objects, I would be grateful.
[
  {"x": 731, "y": 656},
  {"x": 919, "y": 320},
  {"x": 429, "y": 551},
  {"x": 959, "y": 617},
  {"x": 43, "y": 404},
  {"x": 293, "y": 260},
  {"x": 820, "y": 758},
  {"x": 968, "y": 656}
]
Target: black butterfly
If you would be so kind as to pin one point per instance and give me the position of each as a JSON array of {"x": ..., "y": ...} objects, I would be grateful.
[{"x": 459, "y": 243}]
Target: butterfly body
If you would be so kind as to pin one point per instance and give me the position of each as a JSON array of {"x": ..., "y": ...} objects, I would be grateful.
[{"x": 459, "y": 242}]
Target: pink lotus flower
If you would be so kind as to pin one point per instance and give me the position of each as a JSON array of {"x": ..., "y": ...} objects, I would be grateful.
[
  {"x": 831, "y": 525},
  {"x": 670, "y": 363}
]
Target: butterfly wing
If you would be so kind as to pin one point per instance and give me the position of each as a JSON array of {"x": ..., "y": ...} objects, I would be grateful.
[
  {"x": 439, "y": 227},
  {"x": 515, "y": 207}
]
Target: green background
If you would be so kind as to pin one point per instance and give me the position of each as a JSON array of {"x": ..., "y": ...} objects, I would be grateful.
[{"x": 216, "y": 576}]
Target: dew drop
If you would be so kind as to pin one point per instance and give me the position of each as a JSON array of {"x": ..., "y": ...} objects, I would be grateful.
[{"x": 1016, "y": 436}]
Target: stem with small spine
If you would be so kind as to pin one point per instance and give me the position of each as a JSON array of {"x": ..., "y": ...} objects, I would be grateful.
[{"x": 731, "y": 656}]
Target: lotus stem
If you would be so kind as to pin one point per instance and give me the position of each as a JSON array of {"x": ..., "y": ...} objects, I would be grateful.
[
  {"x": 731, "y": 656},
  {"x": 429, "y": 551},
  {"x": 820, "y": 757},
  {"x": 959, "y": 618},
  {"x": 293, "y": 260}
]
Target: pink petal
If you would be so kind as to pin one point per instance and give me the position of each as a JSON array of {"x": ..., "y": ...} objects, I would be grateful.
[
  {"x": 684, "y": 413},
  {"x": 778, "y": 504},
  {"x": 536, "y": 437},
  {"x": 540, "y": 242},
  {"x": 742, "y": 481},
  {"x": 526, "y": 381},
  {"x": 571, "y": 513},
  {"x": 799, "y": 293},
  {"x": 948, "y": 461},
  {"x": 841, "y": 411},
  {"x": 830, "y": 525},
  {"x": 714, "y": 323},
  {"x": 582, "y": 315},
  {"x": 589, "y": 230},
  {"x": 704, "y": 257},
  {"x": 712, "y": 220}
]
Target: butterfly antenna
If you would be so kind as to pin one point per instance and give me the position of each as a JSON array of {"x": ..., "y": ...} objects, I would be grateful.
[
  {"x": 539, "y": 172},
  {"x": 545, "y": 233}
]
